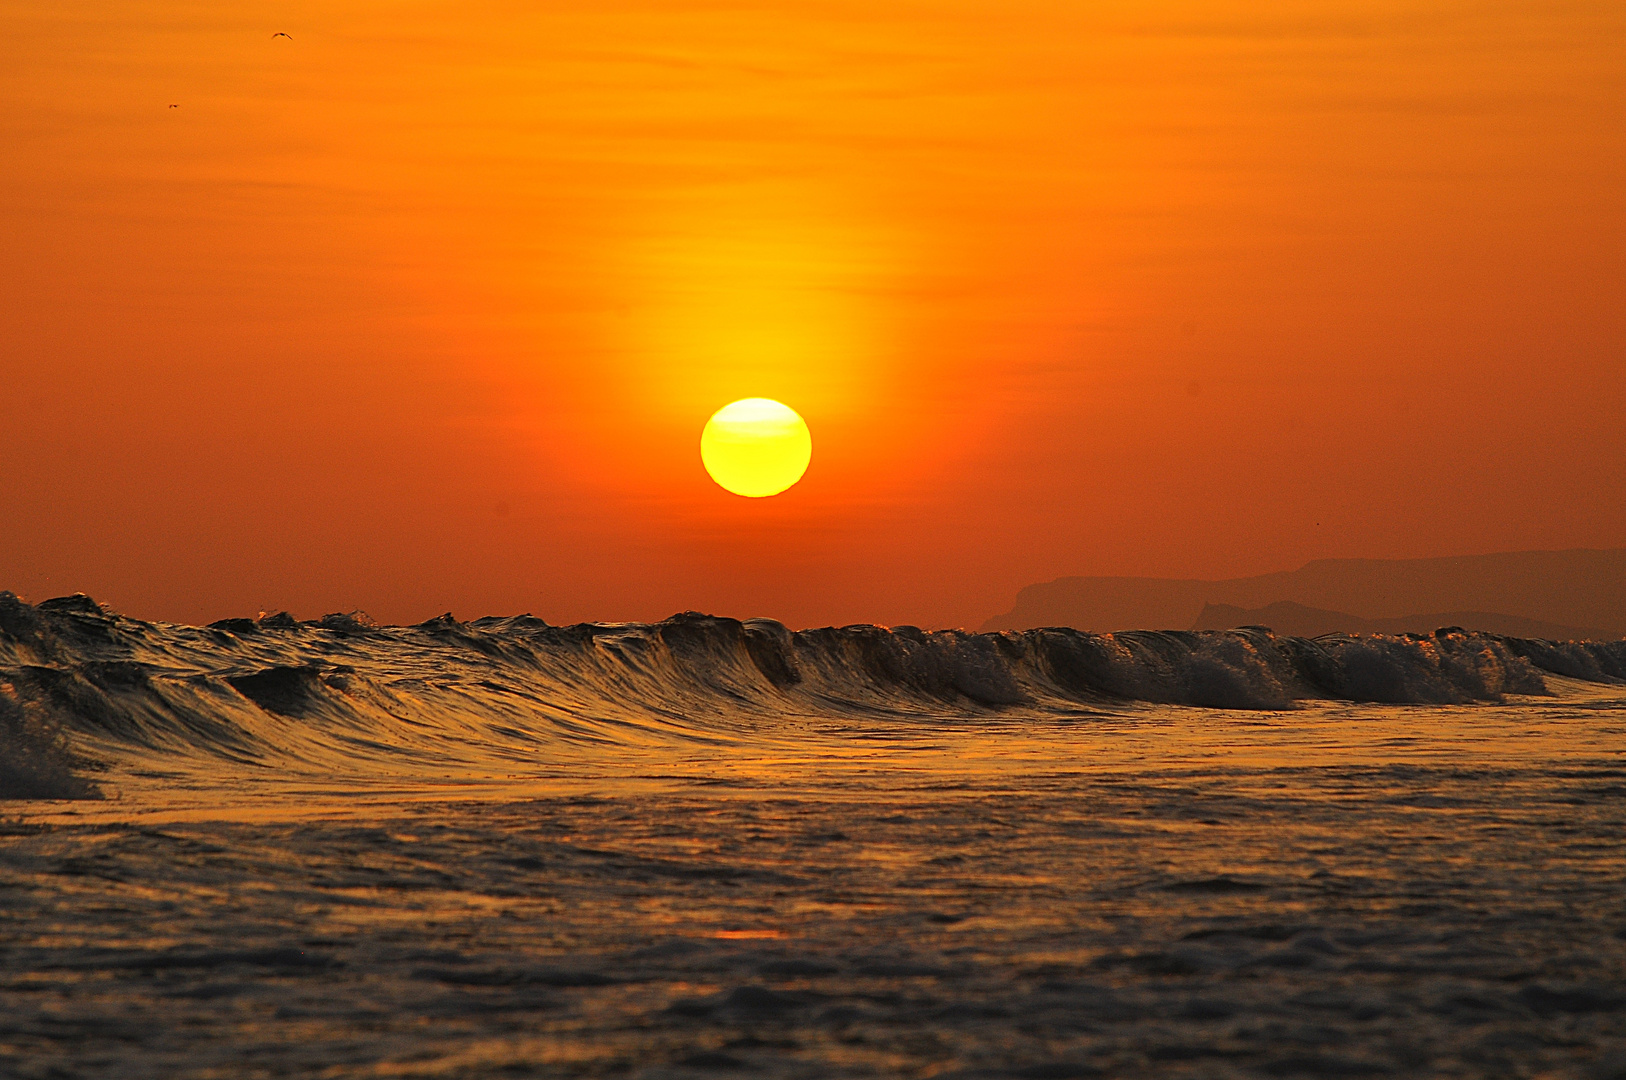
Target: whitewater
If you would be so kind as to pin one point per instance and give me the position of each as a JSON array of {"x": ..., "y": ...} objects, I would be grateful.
[{"x": 276, "y": 847}]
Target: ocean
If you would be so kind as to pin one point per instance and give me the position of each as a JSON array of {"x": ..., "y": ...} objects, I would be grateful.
[{"x": 501, "y": 848}]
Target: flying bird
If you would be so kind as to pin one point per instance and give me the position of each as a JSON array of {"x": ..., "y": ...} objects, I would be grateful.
[
  {"x": 175, "y": 106},
  {"x": 279, "y": 33}
]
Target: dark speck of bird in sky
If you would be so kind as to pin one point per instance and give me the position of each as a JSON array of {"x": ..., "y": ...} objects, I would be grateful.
[{"x": 279, "y": 33}]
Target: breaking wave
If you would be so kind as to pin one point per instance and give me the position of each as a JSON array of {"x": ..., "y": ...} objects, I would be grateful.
[
  {"x": 36, "y": 761},
  {"x": 338, "y": 688}
]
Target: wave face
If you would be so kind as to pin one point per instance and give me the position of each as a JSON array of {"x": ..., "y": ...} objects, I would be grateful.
[{"x": 330, "y": 692}]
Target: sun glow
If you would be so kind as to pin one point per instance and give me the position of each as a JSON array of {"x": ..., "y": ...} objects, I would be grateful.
[{"x": 756, "y": 447}]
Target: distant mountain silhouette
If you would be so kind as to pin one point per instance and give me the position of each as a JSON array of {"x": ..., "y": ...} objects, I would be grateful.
[
  {"x": 1572, "y": 590},
  {"x": 1295, "y": 620}
]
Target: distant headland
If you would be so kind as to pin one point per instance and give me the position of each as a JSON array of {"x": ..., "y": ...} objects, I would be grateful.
[{"x": 1575, "y": 594}]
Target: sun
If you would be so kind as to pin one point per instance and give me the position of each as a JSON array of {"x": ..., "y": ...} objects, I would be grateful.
[{"x": 756, "y": 447}]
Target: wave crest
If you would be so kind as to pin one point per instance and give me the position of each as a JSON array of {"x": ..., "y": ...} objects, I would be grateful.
[{"x": 323, "y": 689}]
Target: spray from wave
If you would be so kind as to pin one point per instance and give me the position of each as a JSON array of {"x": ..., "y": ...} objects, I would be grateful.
[{"x": 327, "y": 693}]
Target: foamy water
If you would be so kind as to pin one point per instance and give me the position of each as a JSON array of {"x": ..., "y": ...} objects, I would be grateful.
[{"x": 506, "y": 849}]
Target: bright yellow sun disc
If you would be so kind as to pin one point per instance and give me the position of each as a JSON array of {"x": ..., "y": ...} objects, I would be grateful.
[{"x": 756, "y": 447}]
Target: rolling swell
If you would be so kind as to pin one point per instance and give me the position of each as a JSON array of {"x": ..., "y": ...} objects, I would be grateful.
[{"x": 333, "y": 691}]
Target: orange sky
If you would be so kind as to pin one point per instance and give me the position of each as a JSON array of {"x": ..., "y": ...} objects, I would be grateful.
[{"x": 426, "y": 307}]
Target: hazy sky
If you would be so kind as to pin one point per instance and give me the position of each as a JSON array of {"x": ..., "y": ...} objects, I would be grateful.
[{"x": 425, "y": 308}]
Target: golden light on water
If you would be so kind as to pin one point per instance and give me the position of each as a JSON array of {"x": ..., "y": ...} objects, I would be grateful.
[{"x": 756, "y": 447}]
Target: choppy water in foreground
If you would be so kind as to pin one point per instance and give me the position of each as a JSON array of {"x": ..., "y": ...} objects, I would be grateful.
[{"x": 706, "y": 847}]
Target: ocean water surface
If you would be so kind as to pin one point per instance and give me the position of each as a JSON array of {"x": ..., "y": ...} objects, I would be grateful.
[{"x": 503, "y": 849}]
